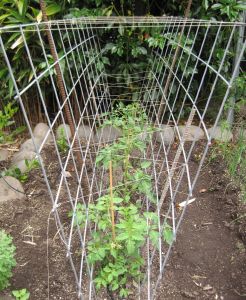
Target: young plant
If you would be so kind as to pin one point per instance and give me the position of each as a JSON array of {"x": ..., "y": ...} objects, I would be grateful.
[
  {"x": 62, "y": 142},
  {"x": 7, "y": 260},
  {"x": 22, "y": 176},
  {"x": 121, "y": 226},
  {"x": 117, "y": 253},
  {"x": 6, "y": 119},
  {"x": 132, "y": 121},
  {"x": 22, "y": 294}
]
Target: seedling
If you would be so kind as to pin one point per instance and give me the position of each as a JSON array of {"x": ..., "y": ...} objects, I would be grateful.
[
  {"x": 22, "y": 294},
  {"x": 6, "y": 119},
  {"x": 62, "y": 142},
  {"x": 16, "y": 172}
]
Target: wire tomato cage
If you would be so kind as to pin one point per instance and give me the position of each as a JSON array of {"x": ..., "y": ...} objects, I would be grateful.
[{"x": 88, "y": 66}]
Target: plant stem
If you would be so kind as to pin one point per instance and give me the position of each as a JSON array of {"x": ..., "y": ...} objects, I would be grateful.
[{"x": 111, "y": 199}]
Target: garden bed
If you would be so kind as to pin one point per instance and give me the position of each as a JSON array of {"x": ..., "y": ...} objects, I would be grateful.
[{"x": 208, "y": 258}]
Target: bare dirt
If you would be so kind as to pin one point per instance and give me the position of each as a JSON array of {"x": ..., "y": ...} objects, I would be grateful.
[{"x": 207, "y": 261}]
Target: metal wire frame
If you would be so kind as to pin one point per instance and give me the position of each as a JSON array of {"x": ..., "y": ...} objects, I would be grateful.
[{"x": 99, "y": 93}]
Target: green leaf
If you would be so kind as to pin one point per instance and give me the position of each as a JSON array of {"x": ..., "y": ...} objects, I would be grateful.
[
  {"x": 53, "y": 9},
  {"x": 22, "y": 7},
  {"x": 168, "y": 234},
  {"x": 121, "y": 30},
  {"x": 130, "y": 246},
  {"x": 146, "y": 164},
  {"x": 154, "y": 236},
  {"x": 240, "y": 6},
  {"x": 117, "y": 200}
]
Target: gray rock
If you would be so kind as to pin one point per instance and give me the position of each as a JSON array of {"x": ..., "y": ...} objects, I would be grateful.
[
  {"x": 220, "y": 134},
  {"x": 4, "y": 154},
  {"x": 28, "y": 145},
  {"x": 10, "y": 189},
  {"x": 22, "y": 155},
  {"x": 40, "y": 131},
  {"x": 239, "y": 133},
  {"x": 107, "y": 134},
  {"x": 84, "y": 132},
  {"x": 195, "y": 133},
  {"x": 165, "y": 134},
  {"x": 21, "y": 164},
  {"x": 144, "y": 136},
  {"x": 63, "y": 130}
]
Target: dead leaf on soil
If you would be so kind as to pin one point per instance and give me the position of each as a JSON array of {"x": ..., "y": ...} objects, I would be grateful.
[
  {"x": 30, "y": 243},
  {"x": 186, "y": 202},
  {"x": 207, "y": 287}
]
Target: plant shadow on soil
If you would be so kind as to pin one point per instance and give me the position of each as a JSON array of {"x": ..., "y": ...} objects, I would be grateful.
[{"x": 207, "y": 261}]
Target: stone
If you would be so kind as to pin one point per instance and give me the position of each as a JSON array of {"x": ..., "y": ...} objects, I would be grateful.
[
  {"x": 22, "y": 155},
  {"x": 4, "y": 154},
  {"x": 10, "y": 189},
  {"x": 220, "y": 134},
  {"x": 242, "y": 109},
  {"x": 28, "y": 145},
  {"x": 195, "y": 133},
  {"x": 165, "y": 134},
  {"x": 21, "y": 164},
  {"x": 107, "y": 134},
  {"x": 40, "y": 131},
  {"x": 85, "y": 132},
  {"x": 144, "y": 136},
  {"x": 63, "y": 130},
  {"x": 239, "y": 133}
]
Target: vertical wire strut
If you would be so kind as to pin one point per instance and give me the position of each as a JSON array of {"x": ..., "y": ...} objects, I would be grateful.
[
  {"x": 62, "y": 92},
  {"x": 176, "y": 54},
  {"x": 191, "y": 116}
]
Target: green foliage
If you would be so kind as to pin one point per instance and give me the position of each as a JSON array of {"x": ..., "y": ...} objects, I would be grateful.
[
  {"x": 22, "y": 294},
  {"x": 230, "y": 8},
  {"x": 62, "y": 142},
  {"x": 6, "y": 119},
  {"x": 125, "y": 50},
  {"x": 22, "y": 176},
  {"x": 7, "y": 260},
  {"x": 118, "y": 256}
]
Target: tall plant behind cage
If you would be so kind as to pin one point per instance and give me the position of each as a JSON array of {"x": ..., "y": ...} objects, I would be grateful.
[{"x": 177, "y": 100}]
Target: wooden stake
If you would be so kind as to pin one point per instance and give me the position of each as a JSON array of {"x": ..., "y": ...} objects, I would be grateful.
[{"x": 111, "y": 199}]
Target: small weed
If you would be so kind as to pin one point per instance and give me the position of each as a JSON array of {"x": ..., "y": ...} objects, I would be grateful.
[
  {"x": 62, "y": 142},
  {"x": 22, "y": 294},
  {"x": 234, "y": 155},
  {"x": 16, "y": 172},
  {"x": 7, "y": 260},
  {"x": 6, "y": 120}
]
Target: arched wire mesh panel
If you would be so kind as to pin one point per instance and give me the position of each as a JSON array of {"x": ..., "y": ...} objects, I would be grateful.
[{"x": 171, "y": 94}]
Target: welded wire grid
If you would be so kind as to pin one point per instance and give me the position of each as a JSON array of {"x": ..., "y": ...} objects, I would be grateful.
[{"x": 90, "y": 94}]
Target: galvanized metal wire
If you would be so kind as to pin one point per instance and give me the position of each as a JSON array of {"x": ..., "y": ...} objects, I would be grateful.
[{"x": 94, "y": 94}]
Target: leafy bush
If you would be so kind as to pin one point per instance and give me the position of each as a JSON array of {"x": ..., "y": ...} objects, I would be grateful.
[
  {"x": 115, "y": 247},
  {"x": 121, "y": 51},
  {"x": 7, "y": 260}
]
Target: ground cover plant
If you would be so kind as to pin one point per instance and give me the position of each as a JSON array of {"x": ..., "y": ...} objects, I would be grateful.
[
  {"x": 7, "y": 259},
  {"x": 121, "y": 225}
]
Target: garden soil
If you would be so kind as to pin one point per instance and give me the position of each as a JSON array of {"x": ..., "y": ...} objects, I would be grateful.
[{"x": 208, "y": 259}]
